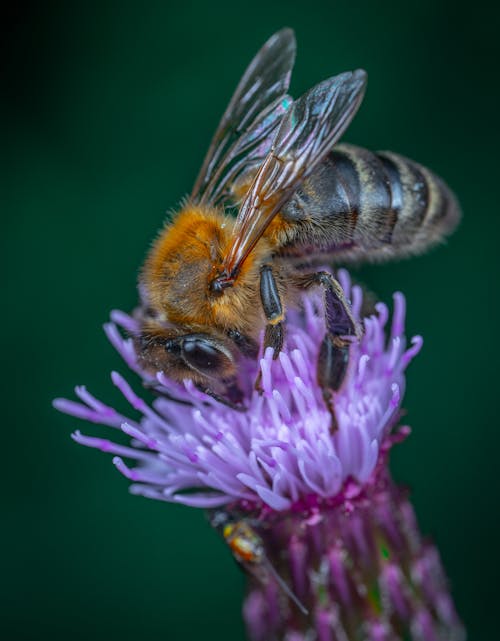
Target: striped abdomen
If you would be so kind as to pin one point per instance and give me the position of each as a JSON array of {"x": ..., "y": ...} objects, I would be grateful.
[{"x": 363, "y": 205}]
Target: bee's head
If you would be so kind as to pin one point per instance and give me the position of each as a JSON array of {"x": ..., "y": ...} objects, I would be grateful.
[
  {"x": 207, "y": 359},
  {"x": 201, "y": 354}
]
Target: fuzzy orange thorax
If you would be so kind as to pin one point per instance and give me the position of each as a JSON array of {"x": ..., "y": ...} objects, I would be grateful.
[{"x": 185, "y": 258}]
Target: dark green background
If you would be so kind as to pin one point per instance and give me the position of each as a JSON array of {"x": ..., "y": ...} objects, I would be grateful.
[{"x": 108, "y": 113}]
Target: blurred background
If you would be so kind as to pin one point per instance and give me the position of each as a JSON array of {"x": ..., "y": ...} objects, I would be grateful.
[{"x": 108, "y": 110}]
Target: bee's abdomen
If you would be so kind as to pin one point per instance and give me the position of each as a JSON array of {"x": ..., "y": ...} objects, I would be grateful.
[
  {"x": 426, "y": 208},
  {"x": 368, "y": 205}
]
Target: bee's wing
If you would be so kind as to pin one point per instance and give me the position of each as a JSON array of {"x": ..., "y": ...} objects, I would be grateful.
[
  {"x": 246, "y": 130},
  {"x": 308, "y": 131}
]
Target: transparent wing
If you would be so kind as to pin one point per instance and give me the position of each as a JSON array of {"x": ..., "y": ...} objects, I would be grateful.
[
  {"x": 247, "y": 128},
  {"x": 246, "y": 154},
  {"x": 310, "y": 128}
]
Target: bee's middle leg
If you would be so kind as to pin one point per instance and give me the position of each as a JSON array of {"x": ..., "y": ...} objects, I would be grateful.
[{"x": 333, "y": 357}]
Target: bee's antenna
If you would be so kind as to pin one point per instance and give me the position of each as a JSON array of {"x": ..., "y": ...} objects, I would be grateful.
[{"x": 287, "y": 590}]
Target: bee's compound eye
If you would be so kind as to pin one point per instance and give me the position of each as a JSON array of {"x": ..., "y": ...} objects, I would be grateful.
[{"x": 201, "y": 354}]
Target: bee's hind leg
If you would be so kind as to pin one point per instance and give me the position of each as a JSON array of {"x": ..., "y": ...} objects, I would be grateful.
[{"x": 333, "y": 357}]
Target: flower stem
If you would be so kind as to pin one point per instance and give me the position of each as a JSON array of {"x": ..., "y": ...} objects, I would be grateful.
[{"x": 359, "y": 566}]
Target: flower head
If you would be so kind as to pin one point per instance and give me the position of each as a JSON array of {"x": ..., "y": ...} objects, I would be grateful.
[
  {"x": 280, "y": 452},
  {"x": 330, "y": 544}
]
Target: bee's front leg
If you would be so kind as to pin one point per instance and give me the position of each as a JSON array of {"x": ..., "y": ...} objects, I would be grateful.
[
  {"x": 273, "y": 310},
  {"x": 232, "y": 396},
  {"x": 333, "y": 357}
]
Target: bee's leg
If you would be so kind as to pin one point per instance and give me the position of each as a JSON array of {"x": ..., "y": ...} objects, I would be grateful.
[
  {"x": 332, "y": 365},
  {"x": 273, "y": 310},
  {"x": 333, "y": 357},
  {"x": 233, "y": 397}
]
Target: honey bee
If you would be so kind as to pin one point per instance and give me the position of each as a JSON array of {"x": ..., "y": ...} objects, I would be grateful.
[{"x": 213, "y": 282}]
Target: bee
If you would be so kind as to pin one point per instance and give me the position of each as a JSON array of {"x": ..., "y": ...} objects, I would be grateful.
[
  {"x": 213, "y": 282},
  {"x": 248, "y": 550}
]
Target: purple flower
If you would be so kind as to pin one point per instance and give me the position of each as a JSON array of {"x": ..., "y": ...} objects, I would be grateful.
[
  {"x": 330, "y": 544},
  {"x": 279, "y": 453}
]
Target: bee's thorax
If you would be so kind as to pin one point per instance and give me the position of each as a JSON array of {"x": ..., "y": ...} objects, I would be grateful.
[{"x": 186, "y": 259}]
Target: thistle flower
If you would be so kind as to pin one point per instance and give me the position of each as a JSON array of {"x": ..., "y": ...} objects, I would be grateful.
[
  {"x": 330, "y": 524},
  {"x": 280, "y": 452}
]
